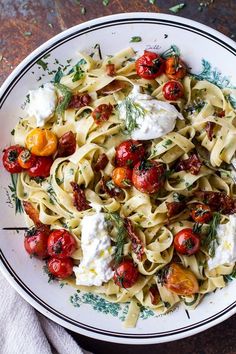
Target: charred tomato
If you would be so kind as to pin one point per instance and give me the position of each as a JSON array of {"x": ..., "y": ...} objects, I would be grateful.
[
  {"x": 186, "y": 242},
  {"x": 150, "y": 65},
  {"x": 126, "y": 274},
  {"x": 148, "y": 176},
  {"x": 61, "y": 244},
  {"x": 129, "y": 152}
]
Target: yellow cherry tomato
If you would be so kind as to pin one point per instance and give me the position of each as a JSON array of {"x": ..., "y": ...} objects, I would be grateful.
[
  {"x": 180, "y": 280},
  {"x": 41, "y": 142}
]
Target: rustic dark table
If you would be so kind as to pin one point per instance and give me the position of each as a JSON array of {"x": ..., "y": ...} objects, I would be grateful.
[{"x": 24, "y": 25}]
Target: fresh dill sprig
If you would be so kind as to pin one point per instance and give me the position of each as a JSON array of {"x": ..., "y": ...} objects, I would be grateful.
[
  {"x": 67, "y": 94},
  {"x": 121, "y": 237},
  {"x": 13, "y": 189},
  {"x": 133, "y": 112},
  {"x": 211, "y": 241}
]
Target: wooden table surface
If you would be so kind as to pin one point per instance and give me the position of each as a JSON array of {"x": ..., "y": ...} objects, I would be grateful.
[{"x": 24, "y": 25}]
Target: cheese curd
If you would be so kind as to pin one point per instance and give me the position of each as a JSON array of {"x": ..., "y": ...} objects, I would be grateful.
[
  {"x": 94, "y": 268},
  {"x": 226, "y": 250},
  {"x": 159, "y": 117},
  {"x": 42, "y": 105}
]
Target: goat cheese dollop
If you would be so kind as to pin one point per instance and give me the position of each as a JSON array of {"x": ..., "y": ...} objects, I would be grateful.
[
  {"x": 43, "y": 102},
  {"x": 226, "y": 250},
  {"x": 151, "y": 118},
  {"x": 94, "y": 269}
]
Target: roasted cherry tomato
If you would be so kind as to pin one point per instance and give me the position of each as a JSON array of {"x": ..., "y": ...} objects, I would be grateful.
[
  {"x": 201, "y": 213},
  {"x": 61, "y": 244},
  {"x": 35, "y": 242},
  {"x": 148, "y": 176},
  {"x": 180, "y": 280},
  {"x": 102, "y": 113},
  {"x": 41, "y": 167},
  {"x": 150, "y": 65},
  {"x": 186, "y": 242},
  {"x": 122, "y": 176},
  {"x": 41, "y": 142},
  {"x": 26, "y": 159},
  {"x": 173, "y": 90},
  {"x": 10, "y": 158},
  {"x": 129, "y": 152},
  {"x": 126, "y": 274},
  {"x": 175, "y": 68},
  {"x": 60, "y": 268}
]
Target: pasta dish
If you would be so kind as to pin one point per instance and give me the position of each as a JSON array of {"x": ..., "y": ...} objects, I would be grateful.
[{"x": 126, "y": 172}]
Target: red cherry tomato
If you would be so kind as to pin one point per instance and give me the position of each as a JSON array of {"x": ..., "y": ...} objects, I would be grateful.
[
  {"x": 61, "y": 244},
  {"x": 148, "y": 176},
  {"x": 186, "y": 242},
  {"x": 150, "y": 65},
  {"x": 175, "y": 68},
  {"x": 129, "y": 152},
  {"x": 35, "y": 242},
  {"x": 60, "y": 268},
  {"x": 26, "y": 159},
  {"x": 173, "y": 90},
  {"x": 102, "y": 113},
  {"x": 41, "y": 167},
  {"x": 122, "y": 176},
  {"x": 126, "y": 274},
  {"x": 201, "y": 213},
  {"x": 10, "y": 158}
]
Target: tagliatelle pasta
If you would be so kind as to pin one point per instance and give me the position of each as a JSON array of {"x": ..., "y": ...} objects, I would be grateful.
[{"x": 201, "y": 106}]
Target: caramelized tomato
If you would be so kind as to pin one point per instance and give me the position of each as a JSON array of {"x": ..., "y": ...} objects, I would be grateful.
[
  {"x": 61, "y": 244},
  {"x": 122, "y": 176},
  {"x": 150, "y": 65},
  {"x": 175, "y": 68},
  {"x": 180, "y": 280},
  {"x": 201, "y": 213},
  {"x": 126, "y": 274},
  {"x": 173, "y": 90},
  {"x": 186, "y": 242},
  {"x": 129, "y": 152},
  {"x": 148, "y": 176},
  {"x": 10, "y": 158}
]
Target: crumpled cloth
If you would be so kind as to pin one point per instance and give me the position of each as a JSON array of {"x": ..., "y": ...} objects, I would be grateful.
[{"x": 24, "y": 331}]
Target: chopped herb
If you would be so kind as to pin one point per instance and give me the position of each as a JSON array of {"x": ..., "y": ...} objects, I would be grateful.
[
  {"x": 52, "y": 195},
  {"x": 211, "y": 241},
  {"x": 78, "y": 73},
  {"x": 197, "y": 228},
  {"x": 14, "y": 197},
  {"x": 50, "y": 25},
  {"x": 167, "y": 143},
  {"x": 170, "y": 52},
  {"x": 121, "y": 235},
  {"x": 13, "y": 132},
  {"x": 136, "y": 39},
  {"x": 152, "y": 2},
  {"x": 27, "y": 33},
  {"x": 165, "y": 35},
  {"x": 67, "y": 94},
  {"x": 105, "y": 2},
  {"x": 98, "y": 48},
  {"x": 42, "y": 63},
  {"x": 178, "y": 197},
  {"x": 175, "y": 9},
  {"x": 58, "y": 75},
  {"x": 133, "y": 112},
  {"x": 59, "y": 181}
]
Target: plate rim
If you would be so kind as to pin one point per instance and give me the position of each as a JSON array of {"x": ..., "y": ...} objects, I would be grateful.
[{"x": 8, "y": 86}]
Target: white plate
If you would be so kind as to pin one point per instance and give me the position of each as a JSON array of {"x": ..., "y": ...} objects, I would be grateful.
[{"x": 91, "y": 315}]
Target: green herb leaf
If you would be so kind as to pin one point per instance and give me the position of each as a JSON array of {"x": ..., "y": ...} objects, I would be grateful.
[
  {"x": 27, "y": 33},
  {"x": 167, "y": 143},
  {"x": 67, "y": 94},
  {"x": 105, "y": 2},
  {"x": 43, "y": 64},
  {"x": 121, "y": 237},
  {"x": 58, "y": 75},
  {"x": 83, "y": 10},
  {"x": 14, "y": 197},
  {"x": 152, "y": 2},
  {"x": 175, "y": 9},
  {"x": 136, "y": 39},
  {"x": 211, "y": 241},
  {"x": 133, "y": 112}
]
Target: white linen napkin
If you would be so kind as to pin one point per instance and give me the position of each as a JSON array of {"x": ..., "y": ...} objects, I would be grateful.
[{"x": 24, "y": 331}]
